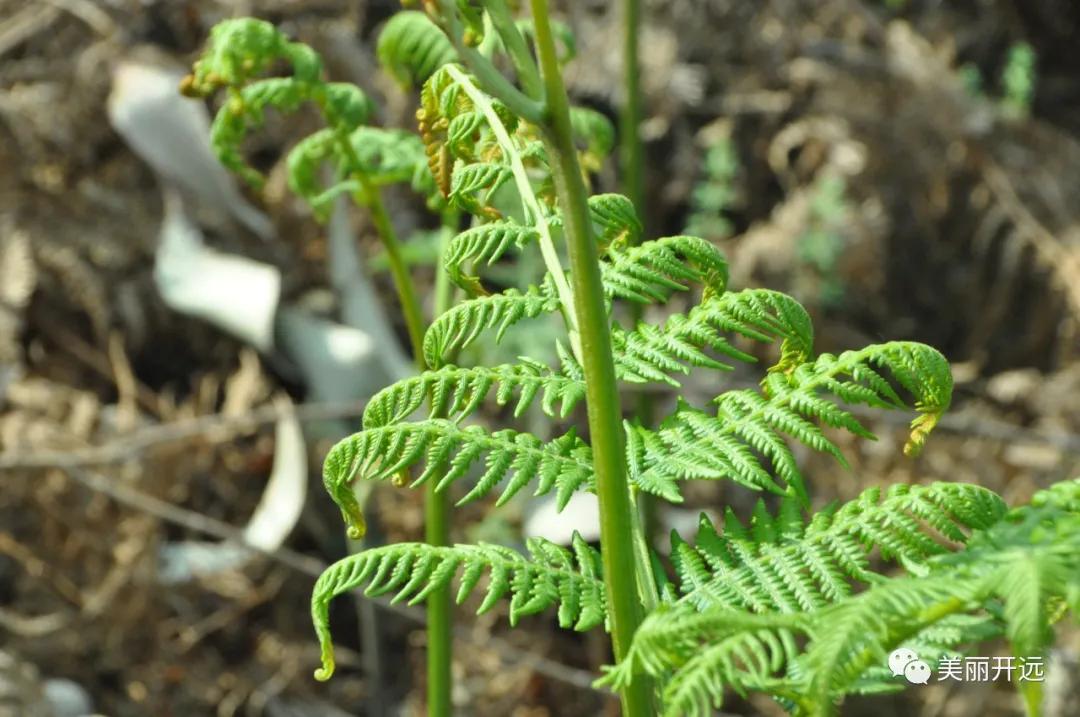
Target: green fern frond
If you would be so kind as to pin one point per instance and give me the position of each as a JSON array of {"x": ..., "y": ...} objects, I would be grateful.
[
  {"x": 782, "y": 566},
  {"x": 748, "y": 591},
  {"x": 483, "y": 243},
  {"x": 854, "y": 378},
  {"x": 1029, "y": 556},
  {"x": 387, "y": 156},
  {"x": 461, "y": 131},
  {"x": 441, "y": 101},
  {"x": 449, "y": 451},
  {"x": 551, "y": 576},
  {"x": 455, "y": 393},
  {"x": 461, "y": 325},
  {"x": 616, "y": 220},
  {"x": 652, "y": 271},
  {"x": 712, "y": 652},
  {"x": 243, "y": 48},
  {"x": 854, "y": 634},
  {"x": 411, "y": 48},
  {"x": 473, "y": 186},
  {"x": 693, "y": 444},
  {"x": 304, "y": 162},
  {"x": 654, "y": 353},
  {"x": 382, "y": 156}
]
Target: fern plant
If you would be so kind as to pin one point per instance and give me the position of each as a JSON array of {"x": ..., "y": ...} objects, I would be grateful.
[
  {"x": 793, "y": 603},
  {"x": 1018, "y": 80},
  {"x": 360, "y": 160}
]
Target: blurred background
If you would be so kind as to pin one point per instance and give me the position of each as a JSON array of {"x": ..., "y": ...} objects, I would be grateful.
[{"x": 177, "y": 353}]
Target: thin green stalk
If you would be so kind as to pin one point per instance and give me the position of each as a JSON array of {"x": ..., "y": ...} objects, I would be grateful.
[
  {"x": 436, "y": 505},
  {"x": 403, "y": 283},
  {"x": 439, "y": 617},
  {"x": 370, "y": 197},
  {"x": 437, "y": 532},
  {"x": 631, "y": 161},
  {"x": 630, "y": 149},
  {"x": 516, "y": 47},
  {"x": 602, "y": 397}
]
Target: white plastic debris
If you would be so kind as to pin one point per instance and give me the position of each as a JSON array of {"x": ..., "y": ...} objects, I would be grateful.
[
  {"x": 236, "y": 294},
  {"x": 360, "y": 305},
  {"x": 582, "y": 513},
  {"x": 338, "y": 363},
  {"x": 283, "y": 498},
  {"x": 270, "y": 524},
  {"x": 171, "y": 133}
]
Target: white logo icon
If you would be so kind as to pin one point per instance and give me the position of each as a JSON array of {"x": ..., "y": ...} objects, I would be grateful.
[
  {"x": 905, "y": 662},
  {"x": 900, "y": 658},
  {"x": 917, "y": 672}
]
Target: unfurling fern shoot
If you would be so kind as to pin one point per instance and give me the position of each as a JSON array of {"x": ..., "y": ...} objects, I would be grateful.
[
  {"x": 791, "y": 603},
  {"x": 362, "y": 159}
]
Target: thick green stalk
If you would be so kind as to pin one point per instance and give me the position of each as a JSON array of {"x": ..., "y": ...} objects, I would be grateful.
[
  {"x": 602, "y": 397},
  {"x": 503, "y": 20}
]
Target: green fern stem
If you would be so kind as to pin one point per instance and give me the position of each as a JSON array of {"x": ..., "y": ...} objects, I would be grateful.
[
  {"x": 437, "y": 532},
  {"x": 503, "y": 21},
  {"x": 633, "y": 182},
  {"x": 485, "y": 71},
  {"x": 528, "y": 200},
  {"x": 630, "y": 149},
  {"x": 370, "y": 197},
  {"x": 436, "y": 505},
  {"x": 602, "y": 397},
  {"x": 439, "y": 608},
  {"x": 399, "y": 270}
]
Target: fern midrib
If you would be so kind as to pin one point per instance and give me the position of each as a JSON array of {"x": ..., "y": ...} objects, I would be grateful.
[{"x": 528, "y": 200}]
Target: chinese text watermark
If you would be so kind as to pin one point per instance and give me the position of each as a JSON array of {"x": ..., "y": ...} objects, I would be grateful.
[{"x": 905, "y": 662}]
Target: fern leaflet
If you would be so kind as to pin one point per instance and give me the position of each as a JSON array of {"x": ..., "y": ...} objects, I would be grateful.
[
  {"x": 455, "y": 392},
  {"x": 551, "y": 576},
  {"x": 462, "y": 324}
]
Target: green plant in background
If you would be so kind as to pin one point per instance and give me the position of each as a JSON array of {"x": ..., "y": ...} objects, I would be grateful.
[
  {"x": 631, "y": 151},
  {"x": 363, "y": 159},
  {"x": 714, "y": 192},
  {"x": 1018, "y": 80},
  {"x": 820, "y": 247},
  {"x": 971, "y": 79},
  {"x": 772, "y": 605}
]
